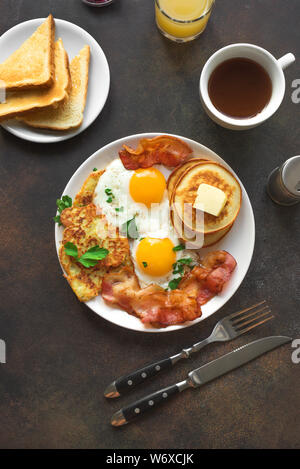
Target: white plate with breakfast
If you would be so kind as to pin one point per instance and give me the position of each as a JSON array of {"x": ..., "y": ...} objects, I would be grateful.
[
  {"x": 56, "y": 80},
  {"x": 131, "y": 251}
]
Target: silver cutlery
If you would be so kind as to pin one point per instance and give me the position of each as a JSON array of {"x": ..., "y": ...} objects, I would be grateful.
[
  {"x": 200, "y": 376},
  {"x": 229, "y": 328}
]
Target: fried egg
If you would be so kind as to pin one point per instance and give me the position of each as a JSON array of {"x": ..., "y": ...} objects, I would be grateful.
[
  {"x": 154, "y": 258},
  {"x": 122, "y": 195}
]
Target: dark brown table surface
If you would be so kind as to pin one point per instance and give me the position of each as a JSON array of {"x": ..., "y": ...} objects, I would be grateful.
[{"x": 60, "y": 355}]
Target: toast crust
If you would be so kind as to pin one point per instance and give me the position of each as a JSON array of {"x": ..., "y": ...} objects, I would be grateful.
[
  {"x": 43, "y": 74},
  {"x": 85, "y": 51}
]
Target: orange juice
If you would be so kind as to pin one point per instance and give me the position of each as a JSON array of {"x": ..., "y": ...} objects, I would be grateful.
[{"x": 182, "y": 20}]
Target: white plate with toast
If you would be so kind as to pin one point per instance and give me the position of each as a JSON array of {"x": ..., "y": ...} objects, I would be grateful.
[
  {"x": 239, "y": 241},
  {"x": 97, "y": 81}
]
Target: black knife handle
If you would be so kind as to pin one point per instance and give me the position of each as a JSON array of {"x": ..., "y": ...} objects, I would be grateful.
[
  {"x": 129, "y": 413},
  {"x": 127, "y": 382}
]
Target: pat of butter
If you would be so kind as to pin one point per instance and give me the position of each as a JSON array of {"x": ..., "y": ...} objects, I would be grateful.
[{"x": 210, "y": 199}]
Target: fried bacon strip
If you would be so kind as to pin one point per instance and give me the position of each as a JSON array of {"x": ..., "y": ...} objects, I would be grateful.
[
  {"x": 164, "y": 149},
  {"x": 153, "y": 305},
  {"x": 208, "y": 280},
  {"x": 160, "y": 308}
]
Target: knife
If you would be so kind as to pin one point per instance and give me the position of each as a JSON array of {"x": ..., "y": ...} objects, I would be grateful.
[{"x": 200, "y": 376}]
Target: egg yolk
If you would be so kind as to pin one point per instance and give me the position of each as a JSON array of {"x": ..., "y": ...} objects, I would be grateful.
[
  {"x": 155, "y": 256},
  {"x": 147, "y": 186}
]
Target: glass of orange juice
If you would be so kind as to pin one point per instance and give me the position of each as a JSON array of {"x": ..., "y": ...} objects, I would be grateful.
[{"x": 182, "y": 20}]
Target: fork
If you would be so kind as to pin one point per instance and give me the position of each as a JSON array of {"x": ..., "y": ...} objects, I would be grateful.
[{"x": 226, "y": 329}]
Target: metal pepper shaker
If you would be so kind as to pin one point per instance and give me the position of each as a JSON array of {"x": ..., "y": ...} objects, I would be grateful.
[
  {"x": 98, "y": 3},
  {"x": 284, "y": 182}
]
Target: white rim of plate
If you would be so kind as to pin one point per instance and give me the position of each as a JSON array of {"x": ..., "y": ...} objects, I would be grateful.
[
  {"x": 59, "y": 136},
  {"x": 213, "y": 155}
]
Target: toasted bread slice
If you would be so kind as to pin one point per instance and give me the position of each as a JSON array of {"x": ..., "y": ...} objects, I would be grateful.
[
  {"x": 32, "y": 65},
  {"x": 17, "y": 102},
  {"x": 69, "y": 113}
]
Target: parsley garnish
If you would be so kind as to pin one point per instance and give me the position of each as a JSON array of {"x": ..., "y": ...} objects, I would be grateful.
[
  {"x": 90, "y": 258},
  {"x": 179, "y": 247},
  {"x": 178, "y": 268},
  {"x": 145, "y": 264},
  {"x": 120, "y": 209},
  {"x": 185, "y": 260},
  {"x": 71, "y": 249},
  {"x": 110, "y": 194},
  {"x": 64, "y": 202},
  {"x": 173, "y": 284},
  {"x": 129, "y": 229},
  {"x": 95, "y": 169}
]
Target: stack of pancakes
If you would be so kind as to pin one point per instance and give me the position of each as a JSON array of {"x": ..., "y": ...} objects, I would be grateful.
[{"x": 192, "y": 224}]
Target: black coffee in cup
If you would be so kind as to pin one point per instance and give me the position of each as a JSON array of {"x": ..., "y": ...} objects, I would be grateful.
[{"x": 240, "y": 88}]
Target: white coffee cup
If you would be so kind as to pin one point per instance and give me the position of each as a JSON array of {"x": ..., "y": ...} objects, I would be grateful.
[{"x": 274, "y": 68}]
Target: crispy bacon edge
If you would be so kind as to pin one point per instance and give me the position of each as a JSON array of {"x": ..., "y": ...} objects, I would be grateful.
[
  {"x": 163, "y": 149},
  {"x": 160, "y": 308}
]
